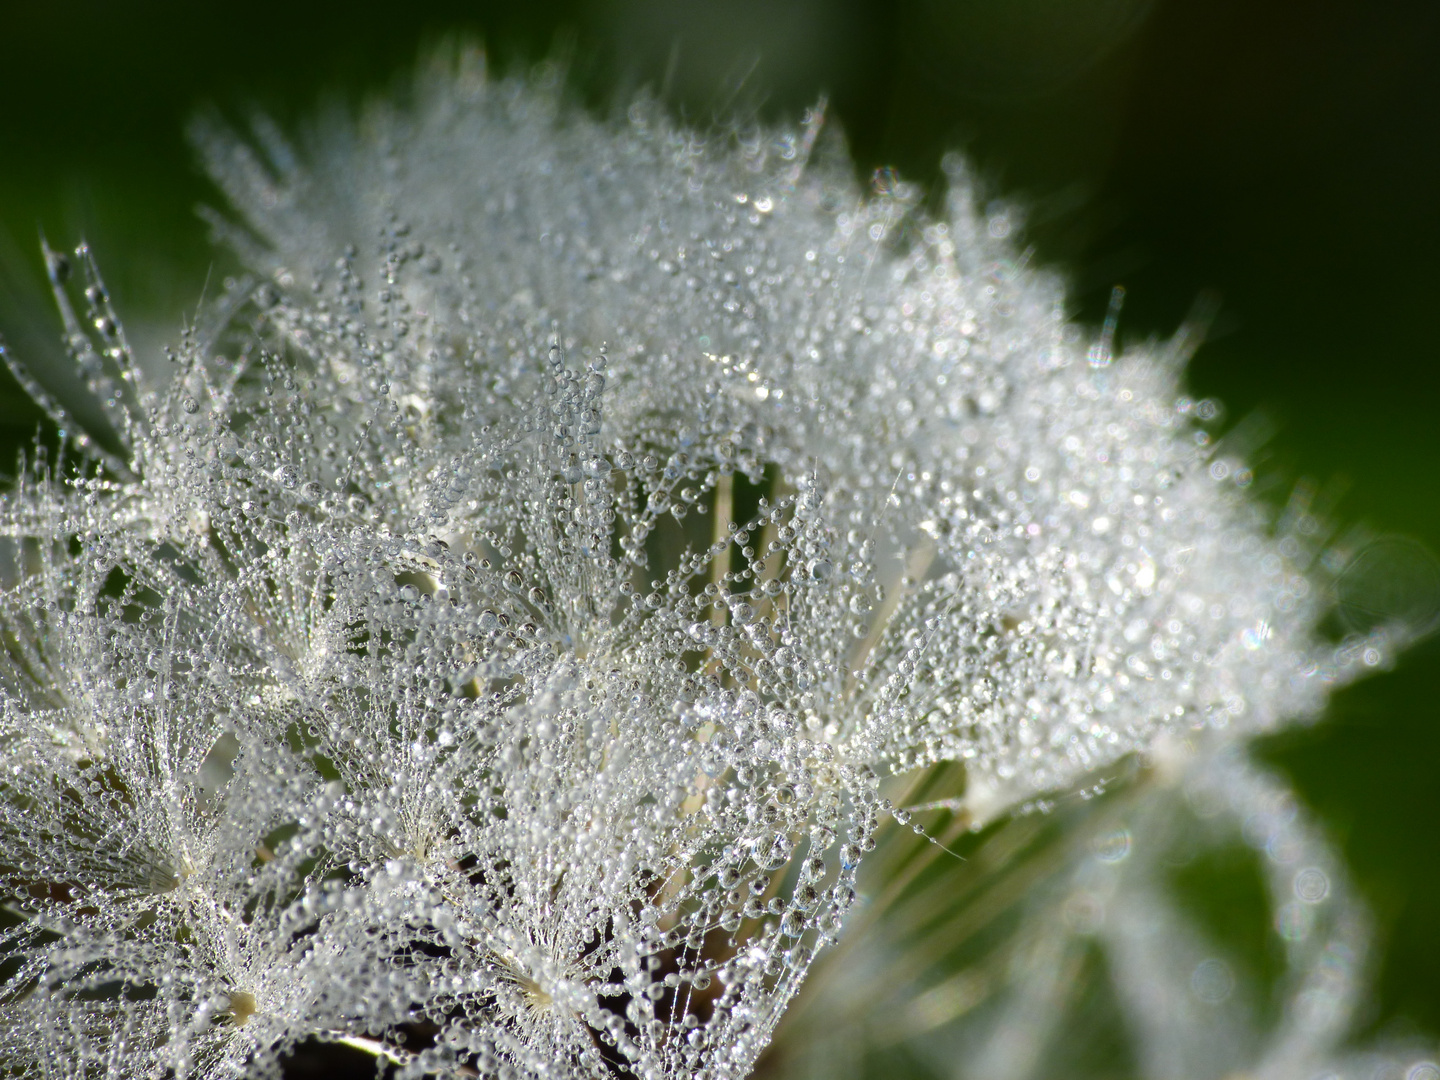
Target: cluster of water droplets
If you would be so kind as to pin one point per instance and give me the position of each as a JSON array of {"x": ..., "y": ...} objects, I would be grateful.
[{"x": 483, "y": 644}]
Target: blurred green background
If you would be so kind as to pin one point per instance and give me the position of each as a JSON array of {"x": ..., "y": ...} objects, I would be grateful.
[{"x": 1277, "y": 153}]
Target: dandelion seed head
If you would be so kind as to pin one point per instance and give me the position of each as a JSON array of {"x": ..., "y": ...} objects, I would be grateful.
[{"x": 490, "y": 641}]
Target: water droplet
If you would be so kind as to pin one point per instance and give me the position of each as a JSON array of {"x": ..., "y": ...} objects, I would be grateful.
[
  {"x": 59, "y": 267},
  {"x": 773, "y": 852},
  {"x": 1112, "y": 846},
  {"x": 1393, "y": 582},
  {"x": 1311, "y": 885},
  {"x": 1212, "y": 981}
]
